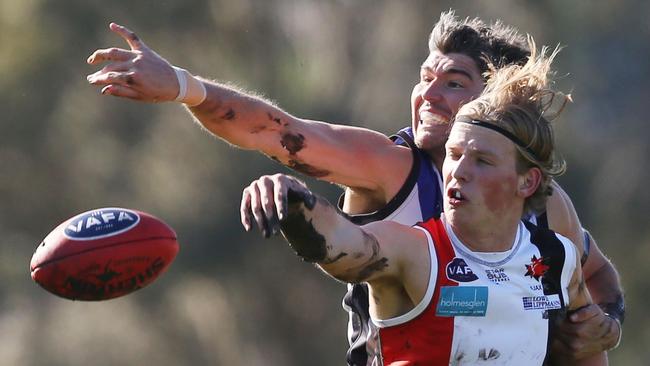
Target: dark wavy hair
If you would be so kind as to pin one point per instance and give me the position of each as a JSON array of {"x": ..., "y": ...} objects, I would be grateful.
[{"x": 494, "y": 44}]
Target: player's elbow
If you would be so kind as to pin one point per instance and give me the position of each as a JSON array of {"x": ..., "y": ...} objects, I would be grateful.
[{"x": 368, "y": 271}]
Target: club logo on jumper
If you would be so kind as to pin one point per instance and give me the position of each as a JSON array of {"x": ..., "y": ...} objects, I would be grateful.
[
  {"x": 101, "y": 223},
  {"x": 458, "y": 270},
  {"x": 537, "y": 268},
  {"x": 462, "y": 301},
  {"x": 497, "y": 275},
  {"x": 547, "y": 302}
]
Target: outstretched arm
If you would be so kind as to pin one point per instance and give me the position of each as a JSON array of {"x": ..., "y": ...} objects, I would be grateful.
[
  {"x": 346, "y": 155},
  {"x": 318, "y": 233}
]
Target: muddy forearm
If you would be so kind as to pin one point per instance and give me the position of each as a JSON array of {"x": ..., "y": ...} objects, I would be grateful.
[
  {"x": 310, "y": 227},
  {"x": 320, "y": 234},
  {"x": 238, "y": 117},
  {"x": 606, "y": 291}
]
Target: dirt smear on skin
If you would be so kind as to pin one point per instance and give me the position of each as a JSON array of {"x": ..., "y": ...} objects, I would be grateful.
[
  {"x": 274, "y": 119},
  {"x": 373, "y": 264},
  {"x": 229, "y": 115},
  {"x": 293, "y": 143},
  {"x": 303, "y": 238}
]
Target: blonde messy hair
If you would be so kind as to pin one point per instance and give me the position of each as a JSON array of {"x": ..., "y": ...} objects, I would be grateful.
[{"x": 518, "y": 99}]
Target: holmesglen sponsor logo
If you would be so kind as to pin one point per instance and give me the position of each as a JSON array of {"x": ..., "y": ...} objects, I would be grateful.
[
  {"x": 101, "y": 223},
  {"x": 462, "y": 301},
  {"x": 547, "y": 302}
]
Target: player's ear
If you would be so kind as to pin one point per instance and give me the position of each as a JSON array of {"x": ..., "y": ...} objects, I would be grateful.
[{"x": 529, "y": 181}]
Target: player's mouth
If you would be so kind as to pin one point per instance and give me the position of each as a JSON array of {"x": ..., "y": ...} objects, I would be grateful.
[
  {"x": 456, "y": 197},
  {"x": 431, "y": 118},
  {"x": 427, "y": 115}
]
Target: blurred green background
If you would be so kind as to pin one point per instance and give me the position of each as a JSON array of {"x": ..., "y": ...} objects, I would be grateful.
[{"x": 232, "y": 298}]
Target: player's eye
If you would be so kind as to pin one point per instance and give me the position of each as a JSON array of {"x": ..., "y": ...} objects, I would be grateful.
[
  {"x": 483, "y": 161},
  {"x": 453, "y": 155},
  {"x": 455, "y": 85}
]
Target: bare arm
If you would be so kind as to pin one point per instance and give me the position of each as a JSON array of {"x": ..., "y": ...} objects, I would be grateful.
[
  {"x": 562, "y": 217},
  {"x": 600, "y": 275},
  {"x": 318, "y": 233},
  {"x": 603, "y": 281},
  {"x": 350, "y": 156},
  {"x": 588, "y": 330}
]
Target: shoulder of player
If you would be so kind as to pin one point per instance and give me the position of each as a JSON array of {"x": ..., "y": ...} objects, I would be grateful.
[
  {"x": 562, "y": 217},
  {"x": 405, "y": 249},
  {"x": 398, "y": 240},
  {"x": 544, "y": 233}
]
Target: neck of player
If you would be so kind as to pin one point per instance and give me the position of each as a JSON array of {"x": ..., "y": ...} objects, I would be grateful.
[{"x": 487, "y": 235}]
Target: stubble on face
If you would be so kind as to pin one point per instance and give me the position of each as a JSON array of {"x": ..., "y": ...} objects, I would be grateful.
[{"x": 447, "y": 81}]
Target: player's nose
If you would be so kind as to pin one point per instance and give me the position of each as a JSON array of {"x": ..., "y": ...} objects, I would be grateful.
[{"x": 432, "y": 92}]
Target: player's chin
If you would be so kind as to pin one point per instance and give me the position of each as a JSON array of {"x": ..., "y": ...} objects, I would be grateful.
[
  {"x": 439, "y": 129},
  {"x": 431, "y": 139},
  {"x": 456, "y": 216}
]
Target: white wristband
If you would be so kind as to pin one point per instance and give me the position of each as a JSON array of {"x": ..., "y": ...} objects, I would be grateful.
[{"x": 191, "y": 90}]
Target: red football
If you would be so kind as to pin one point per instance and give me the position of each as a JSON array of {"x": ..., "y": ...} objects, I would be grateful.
[{"x": 104, "y": 253}]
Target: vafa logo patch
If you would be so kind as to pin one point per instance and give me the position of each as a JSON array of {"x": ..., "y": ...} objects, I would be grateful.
[
  {"x": 101, "y": 223},
  {"x": 458, "y": 270}
]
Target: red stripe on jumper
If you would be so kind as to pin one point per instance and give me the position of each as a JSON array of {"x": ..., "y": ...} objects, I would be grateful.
[{"x": 426, "y": 339}]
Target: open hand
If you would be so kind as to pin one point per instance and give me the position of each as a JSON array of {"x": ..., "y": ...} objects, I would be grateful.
[
  {"x": 137, "y": 73},
  {"x": 266, "y": 201}
]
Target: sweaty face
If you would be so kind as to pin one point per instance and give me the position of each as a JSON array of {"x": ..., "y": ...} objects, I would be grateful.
[
  {"x": 447, "y": 81},
  {"x": 480, "y": 178}
]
